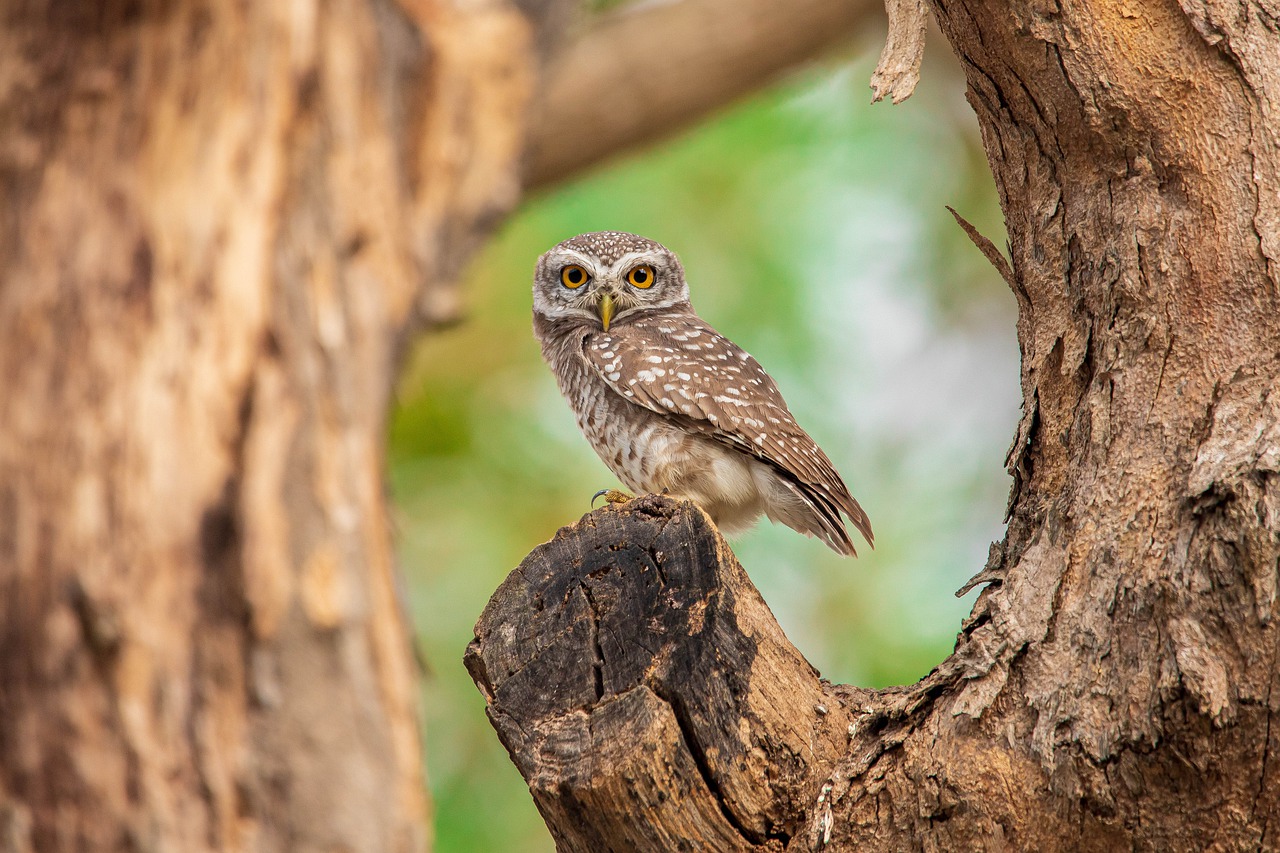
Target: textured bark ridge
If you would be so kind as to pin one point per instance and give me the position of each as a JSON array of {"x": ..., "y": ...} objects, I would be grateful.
[
  {"x": 646, "y": 692},
  {"x": 1114, "y": 686}
]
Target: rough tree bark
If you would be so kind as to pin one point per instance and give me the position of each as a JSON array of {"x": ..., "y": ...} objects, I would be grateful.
[
  {"x": 218, "y": 221},
  {"x": 1113, "y": 687}
]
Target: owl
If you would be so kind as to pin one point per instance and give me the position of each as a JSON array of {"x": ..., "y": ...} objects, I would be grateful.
[{"x": 668, "y": 403}]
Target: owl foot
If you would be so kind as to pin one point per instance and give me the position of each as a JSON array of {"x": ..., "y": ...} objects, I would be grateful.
[{"x": 611, "y": 496}]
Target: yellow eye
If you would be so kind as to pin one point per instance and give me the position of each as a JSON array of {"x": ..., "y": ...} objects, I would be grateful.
[
  {"x": 573, "y": 276},
  {"x": 641, "y": 276}
]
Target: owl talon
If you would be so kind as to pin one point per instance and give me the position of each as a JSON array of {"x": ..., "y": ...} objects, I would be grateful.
[{"x": 611, "y": 496}]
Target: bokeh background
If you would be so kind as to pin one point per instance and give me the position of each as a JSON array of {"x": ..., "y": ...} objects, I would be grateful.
[{"x": 813, "y": 229}]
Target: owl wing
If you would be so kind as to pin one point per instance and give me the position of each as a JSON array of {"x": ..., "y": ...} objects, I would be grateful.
[{"x": 688, "y": 371}]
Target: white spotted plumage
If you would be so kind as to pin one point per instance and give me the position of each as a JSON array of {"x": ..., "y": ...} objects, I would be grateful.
[{"x": 670, "y": 404}]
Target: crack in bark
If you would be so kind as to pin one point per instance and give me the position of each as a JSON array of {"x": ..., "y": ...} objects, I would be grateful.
[
  {"x": 688, "y": 735},
  {"x": 1266, "y": 756},
  {"x": 657, "y": 565},
  {"x": 1164, "y": 362},
  {"x": 597, "y": 666}
]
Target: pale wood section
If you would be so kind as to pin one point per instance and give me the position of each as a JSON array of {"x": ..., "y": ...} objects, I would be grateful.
[{"x": 898, "y": 69}]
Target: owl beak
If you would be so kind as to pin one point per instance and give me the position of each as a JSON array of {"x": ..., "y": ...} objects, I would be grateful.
[{"x": 606, "y": 310}]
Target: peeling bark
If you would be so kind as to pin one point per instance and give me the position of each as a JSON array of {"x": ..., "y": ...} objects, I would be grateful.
[
  {"x": 898, "y": 69},
  {"x": 1113, "y": 687}
]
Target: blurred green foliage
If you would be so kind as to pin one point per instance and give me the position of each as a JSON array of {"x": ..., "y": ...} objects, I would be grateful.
[{"x": 813, "y": 231}]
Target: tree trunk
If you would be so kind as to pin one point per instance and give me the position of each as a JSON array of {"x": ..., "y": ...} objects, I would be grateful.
[
  {"x": 219, "y": 221},
  {"x": 1113, "y": 687}
]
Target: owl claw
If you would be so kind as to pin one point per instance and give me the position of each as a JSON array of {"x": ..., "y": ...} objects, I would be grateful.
[{"x": 611, "y": 496}]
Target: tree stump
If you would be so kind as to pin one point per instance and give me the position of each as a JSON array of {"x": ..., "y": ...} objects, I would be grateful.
[{"x": 648, "y": 695}]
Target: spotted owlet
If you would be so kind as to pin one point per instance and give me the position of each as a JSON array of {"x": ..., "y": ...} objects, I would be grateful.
[{"x": 671, "y": 405}]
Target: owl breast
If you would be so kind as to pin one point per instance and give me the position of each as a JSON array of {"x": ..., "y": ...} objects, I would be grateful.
[
  {"x": 651, "y": 454},
  {"x": 630, "y": 440}
]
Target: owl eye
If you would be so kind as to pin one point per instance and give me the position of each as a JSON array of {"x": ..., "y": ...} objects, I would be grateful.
[
  {"x": 641, "y": 276},
  {"x": 573, "y": 276}
]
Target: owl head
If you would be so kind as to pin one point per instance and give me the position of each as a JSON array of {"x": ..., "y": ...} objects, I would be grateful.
[{"x": 607, "y": 278}]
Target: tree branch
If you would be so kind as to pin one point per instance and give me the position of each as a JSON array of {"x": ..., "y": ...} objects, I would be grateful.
[{"x": 649, "y": 70}]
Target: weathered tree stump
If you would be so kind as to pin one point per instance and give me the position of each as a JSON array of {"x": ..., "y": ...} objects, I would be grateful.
[{"x": 648, "y": 695}]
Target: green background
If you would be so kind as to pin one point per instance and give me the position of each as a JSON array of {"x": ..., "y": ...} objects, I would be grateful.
[{"x": 813, "y": 230}]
